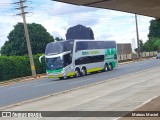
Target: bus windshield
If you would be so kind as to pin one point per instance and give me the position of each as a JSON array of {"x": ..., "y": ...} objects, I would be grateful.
[{"x": 54, "y": 63}]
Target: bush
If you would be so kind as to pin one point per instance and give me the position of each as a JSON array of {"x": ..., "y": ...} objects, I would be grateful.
[{"x": 19, "y": 66}]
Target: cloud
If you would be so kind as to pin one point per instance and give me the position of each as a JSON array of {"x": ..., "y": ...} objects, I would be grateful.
[
  {"x": 58, "y": 8},
  {"x": 56, "y": 34},
  {"x": 57, "y": 17}
]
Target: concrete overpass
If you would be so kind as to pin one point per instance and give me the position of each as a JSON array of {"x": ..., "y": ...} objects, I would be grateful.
[{"x": 142, "y": 7}]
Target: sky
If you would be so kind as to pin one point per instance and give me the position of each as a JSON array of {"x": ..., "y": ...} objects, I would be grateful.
[{"x": 57, "y": 17}]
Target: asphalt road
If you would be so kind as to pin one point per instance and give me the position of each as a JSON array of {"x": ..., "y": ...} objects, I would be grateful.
[{"x": 37, "y": 88}]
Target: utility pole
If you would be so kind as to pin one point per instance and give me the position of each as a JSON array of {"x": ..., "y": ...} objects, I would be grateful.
[
  {"x": 137, "y": 33},
  {"x": 27, "y": 36}
]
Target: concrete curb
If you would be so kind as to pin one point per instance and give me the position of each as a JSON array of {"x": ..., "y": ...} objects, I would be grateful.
[{"x": 22, "y": 79}]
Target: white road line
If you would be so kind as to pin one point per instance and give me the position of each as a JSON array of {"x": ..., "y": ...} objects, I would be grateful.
[
  {"x": 132, "y": 69},
  {"x": 116, "y": 118},
  {"x": 81, "y": 81},
  {"x": 136, "y": 63},
  {"x": 125, "y": 66},
  {"x": 21, "y": 85},
  {"x": 147, "y": 101},
  {"x": 47, "y": 83}
]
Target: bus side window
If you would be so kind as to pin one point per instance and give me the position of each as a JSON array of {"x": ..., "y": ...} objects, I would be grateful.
[{"x": 67, "y": 59}]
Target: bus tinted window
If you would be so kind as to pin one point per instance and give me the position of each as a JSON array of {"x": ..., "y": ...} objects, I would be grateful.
[
  {"x": 89, "y": 59},
  {"x": 86, "y": 45},
  {"x": 59, "y": 47}
]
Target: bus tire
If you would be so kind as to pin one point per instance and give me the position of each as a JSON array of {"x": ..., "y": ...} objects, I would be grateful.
[
  {"x": 110, "y": 67},
  {"x": 83, "y": 71},
  {"x": 105, "y": 67},
  {"x": 61, "y": 78},
  {"x": 77, "y": 73}
]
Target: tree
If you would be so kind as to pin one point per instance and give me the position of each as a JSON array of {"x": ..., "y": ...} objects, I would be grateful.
[
  {"x": 16, "y": 45},
  {"x": 154, "y": 29},
  {"x": 79, "y": 32},
  {"x": 140, "y": 47},
  {"x": 152, "y": 45},
  {"x": 58, "y": 39},
  {"x": 157, "y": 44}
]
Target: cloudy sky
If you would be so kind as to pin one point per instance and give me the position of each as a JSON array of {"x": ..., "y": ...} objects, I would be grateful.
[{"x": 58, "y": 17}]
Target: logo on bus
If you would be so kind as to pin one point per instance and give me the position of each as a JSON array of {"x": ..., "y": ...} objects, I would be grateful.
[
  {"x": 85, "y": 53},
  {"x": 90, "y": 53},
  {"x": 110, "y": 52}
]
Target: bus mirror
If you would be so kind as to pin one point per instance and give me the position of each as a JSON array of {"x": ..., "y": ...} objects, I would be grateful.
[
  {"x": 61, "y": 56},
  {"x": 41, "y": 58}
]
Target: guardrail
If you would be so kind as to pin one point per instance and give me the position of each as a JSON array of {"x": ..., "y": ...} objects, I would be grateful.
[{"x": 126, "y": 57}]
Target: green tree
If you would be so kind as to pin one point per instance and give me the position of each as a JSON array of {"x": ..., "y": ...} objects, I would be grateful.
[
  {"x": 140, "y": 45},
  {"x": 152, "y": 45},
  {"x": 154, "y": 29},
  {"x": 58, "y": 39},
  {"x": 39, "y": 37},
  {"x": 157, "y": 44}
]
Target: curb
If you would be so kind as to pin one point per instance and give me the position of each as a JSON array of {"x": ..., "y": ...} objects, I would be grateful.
[{"x": 22, "y": 79}]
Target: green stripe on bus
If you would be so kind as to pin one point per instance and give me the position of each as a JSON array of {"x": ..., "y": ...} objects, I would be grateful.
[{"x": 54, "y": 71}]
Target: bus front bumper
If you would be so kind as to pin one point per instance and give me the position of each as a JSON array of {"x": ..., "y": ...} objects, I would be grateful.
[
  {"x": 56, "y": 75},
  {"x": 61, "y": 75}
]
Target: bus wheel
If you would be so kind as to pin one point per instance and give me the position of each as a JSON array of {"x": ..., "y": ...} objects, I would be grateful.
[
  {"x": 110, "y": 67},
  {"x": 105, "y": 67},
  {"x": 77, "y": 73},
  {"x": 61, "y": 78},
  {"x": 83, "y": 72}
]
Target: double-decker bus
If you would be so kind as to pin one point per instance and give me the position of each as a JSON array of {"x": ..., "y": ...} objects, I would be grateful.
[{"x": 79, "y": 57}]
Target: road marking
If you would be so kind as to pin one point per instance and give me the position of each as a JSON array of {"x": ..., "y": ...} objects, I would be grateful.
[
  {"x": 136, "y": 83},
  {"x": 136, "y": 63},
  {"x": 116, "y": 118},
  {"x": 81, "y": 81},
  {"x": 47, "y": 83},
  {"x": 21, "y": 85},
  {"x": 157, "y": 75},
  {"x": 132, "y": 69},
  {"x": 147, "y": 101}
]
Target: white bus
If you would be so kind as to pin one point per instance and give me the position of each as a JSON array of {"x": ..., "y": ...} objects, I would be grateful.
[{"x": 79, "y": 57}]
